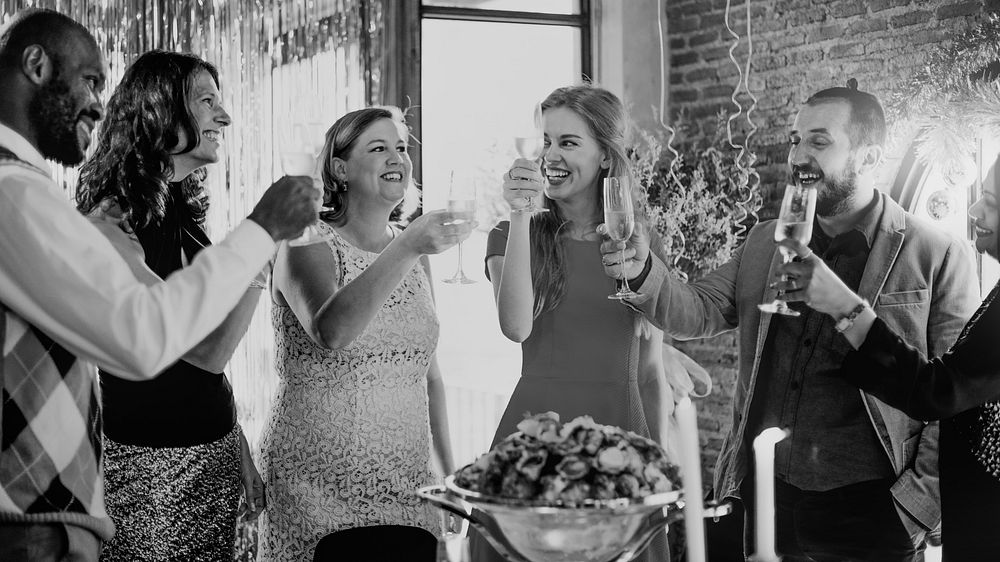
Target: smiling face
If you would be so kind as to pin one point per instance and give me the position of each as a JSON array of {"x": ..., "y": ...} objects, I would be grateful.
[
  {"x": 573, "y": 158},
  {"x": 378, "y": 165},
  {"x": 209, "y": 117},
  {"x": 985, "y": 217},
  {"x": 67, "y": 107},
  {"x": 821, "y": 155}
]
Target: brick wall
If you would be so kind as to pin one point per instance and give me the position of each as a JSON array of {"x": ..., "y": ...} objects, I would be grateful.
[{"x": 800, "y": 46}]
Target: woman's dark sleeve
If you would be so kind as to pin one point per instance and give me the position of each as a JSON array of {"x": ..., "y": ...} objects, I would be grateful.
[
  {"x": 496, "y": 242},
  {"x": 899, "y": 375}
]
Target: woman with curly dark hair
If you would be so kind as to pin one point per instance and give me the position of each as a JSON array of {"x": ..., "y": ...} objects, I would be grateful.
[{"x": 175, "y": 458}]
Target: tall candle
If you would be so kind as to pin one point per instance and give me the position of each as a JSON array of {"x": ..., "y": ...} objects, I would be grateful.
[
  {"x": 763, "y": 450},
  {"x": 690, "y": 458}
]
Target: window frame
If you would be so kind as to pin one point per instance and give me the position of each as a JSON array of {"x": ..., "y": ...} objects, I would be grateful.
[
  {"x": 581, "y": 21},
  {"x": 403, "y": 86}
]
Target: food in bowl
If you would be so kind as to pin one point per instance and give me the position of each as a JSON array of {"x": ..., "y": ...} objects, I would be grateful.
[{"x": 567, "y": 464}]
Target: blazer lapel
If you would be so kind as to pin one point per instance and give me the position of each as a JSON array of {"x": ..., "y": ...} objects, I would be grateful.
[
  {"x": 885, "y": 250},
  {"x": 765, "y": 318}
]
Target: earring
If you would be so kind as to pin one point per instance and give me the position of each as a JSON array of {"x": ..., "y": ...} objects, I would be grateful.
[{"x": 343, "y": 186}]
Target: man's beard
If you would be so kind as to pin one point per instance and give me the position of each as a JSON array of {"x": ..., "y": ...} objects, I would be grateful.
[
  {"x": 54, "y": 118},
  {"x": 837, "y": 192},
  {"x": 835, "y": 198}
]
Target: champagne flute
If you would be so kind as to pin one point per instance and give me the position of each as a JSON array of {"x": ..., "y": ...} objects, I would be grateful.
[
  {"x": 530, "y": 143},
  {"x": 462, "y": 203},
  {"x": 619, "y": 219},
  {"x": 795, "y": 221},
  {"x": 300, "y": 159}
]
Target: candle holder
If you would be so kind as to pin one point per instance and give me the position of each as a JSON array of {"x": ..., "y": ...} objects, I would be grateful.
[{"x": 613, "y": 530}]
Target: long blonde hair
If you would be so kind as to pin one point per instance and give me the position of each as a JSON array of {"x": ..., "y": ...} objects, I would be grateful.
[{"x": 605, "y": 117}]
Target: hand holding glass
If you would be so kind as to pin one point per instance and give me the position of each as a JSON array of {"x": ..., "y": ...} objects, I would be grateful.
[
  {"x": 462, "y": 203},
  {"x": 619, "y": 219},
  {"x": 795, "y": 221},
  {"x": 530, "y": 144}
]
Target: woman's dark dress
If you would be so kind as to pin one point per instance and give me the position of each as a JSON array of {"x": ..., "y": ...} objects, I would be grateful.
[
  {"x": 581, "y": 358},
  {"x": 172, "y": 450}
]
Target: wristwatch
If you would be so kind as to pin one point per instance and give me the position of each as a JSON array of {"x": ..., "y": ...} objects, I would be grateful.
[{"x": 846, "y": 322}]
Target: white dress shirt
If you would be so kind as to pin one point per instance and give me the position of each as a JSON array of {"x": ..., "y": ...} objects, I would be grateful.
[{"x": 60, "y": 274}]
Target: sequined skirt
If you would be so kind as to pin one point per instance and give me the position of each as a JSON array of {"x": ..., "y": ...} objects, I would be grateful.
[{"x": 175, "y": 503}]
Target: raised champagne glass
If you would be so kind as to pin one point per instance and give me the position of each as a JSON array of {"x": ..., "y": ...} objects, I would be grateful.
[
  {"x": 462, "y": 205},
  {"x": 795, "y": 221},
  {"x": 619, "y": 218},
  {"x": 530, "y": 143},
  {"x": 300, "y": 159}
]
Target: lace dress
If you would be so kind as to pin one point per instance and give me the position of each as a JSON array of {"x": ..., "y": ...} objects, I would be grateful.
[{"x": 348, "y": 440}]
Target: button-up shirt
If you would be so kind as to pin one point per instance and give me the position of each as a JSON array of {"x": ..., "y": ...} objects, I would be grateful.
[
  {"x": 61, "y": 275},
  {"x": 832, "y": 441}
]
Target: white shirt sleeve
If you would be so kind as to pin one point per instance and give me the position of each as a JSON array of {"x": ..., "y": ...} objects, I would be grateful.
[{"x": 60, "y": 274}]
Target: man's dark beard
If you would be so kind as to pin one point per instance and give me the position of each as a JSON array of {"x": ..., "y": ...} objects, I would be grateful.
[
  {"x": 836, "y": 195},
  {"x": 54, "y": 119}
]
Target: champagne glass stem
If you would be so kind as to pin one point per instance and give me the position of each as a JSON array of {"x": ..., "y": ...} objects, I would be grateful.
[
  {"x": 625, "y": 287},
  {"x": 461, "y": 272},
  {"x": 786, "y": 258}
]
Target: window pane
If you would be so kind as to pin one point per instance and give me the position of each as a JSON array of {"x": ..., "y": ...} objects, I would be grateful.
[
  {"x": 540, "y": 6},
  {"x": 479, "y": 80}
]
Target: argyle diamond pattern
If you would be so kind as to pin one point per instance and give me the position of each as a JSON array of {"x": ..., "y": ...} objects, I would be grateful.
[{"x": 50, "y": 451}]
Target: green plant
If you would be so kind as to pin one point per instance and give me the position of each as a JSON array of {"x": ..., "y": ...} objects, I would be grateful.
[{"x": 694, "y": 204}]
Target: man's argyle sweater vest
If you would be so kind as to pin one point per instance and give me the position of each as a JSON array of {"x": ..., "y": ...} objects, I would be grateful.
[{"x": 50, "y": 428}]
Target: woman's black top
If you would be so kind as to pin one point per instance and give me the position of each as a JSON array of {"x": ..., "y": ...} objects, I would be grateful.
[
  {"x": 185, "y": 405},
  {"x": 961, "y": 389}
]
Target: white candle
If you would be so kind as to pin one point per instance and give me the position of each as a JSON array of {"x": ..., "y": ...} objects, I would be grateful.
[
  {"x": 690, "y": 458},
  {"x": 763, "y": 450}
]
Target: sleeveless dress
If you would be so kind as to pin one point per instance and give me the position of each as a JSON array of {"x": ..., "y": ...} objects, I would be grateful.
[
  {"x": 348, "y": 440},
  {"x": 581, "y": 358}
]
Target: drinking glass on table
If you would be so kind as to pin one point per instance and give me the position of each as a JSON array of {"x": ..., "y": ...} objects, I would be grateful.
[
  {"x": 619, "y": 219},
  {"x": 300, "y": 159},
  {"x": 453, "y": 542},
  {"x": 795, "y": 221},
  {"x": 530, "y": 143},
  {"x": 462, "y": 203}
]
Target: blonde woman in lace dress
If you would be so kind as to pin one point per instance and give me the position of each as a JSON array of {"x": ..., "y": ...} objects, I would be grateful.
[{"x": 360, "y": 405}]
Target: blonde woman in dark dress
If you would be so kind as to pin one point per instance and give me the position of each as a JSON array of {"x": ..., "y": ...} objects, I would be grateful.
[{"x": 582, "y": 353}]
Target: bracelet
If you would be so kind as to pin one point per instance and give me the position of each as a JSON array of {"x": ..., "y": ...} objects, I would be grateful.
[
  {"x": 847, "y": 322},
  {"x": 258, "y": 284}
]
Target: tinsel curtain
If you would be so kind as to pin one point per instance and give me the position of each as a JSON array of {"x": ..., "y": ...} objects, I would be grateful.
[{"x": 281, "y": 64}]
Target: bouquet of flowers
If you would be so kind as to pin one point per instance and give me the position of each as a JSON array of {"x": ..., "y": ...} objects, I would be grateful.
[{"x": 565, "y": 464}]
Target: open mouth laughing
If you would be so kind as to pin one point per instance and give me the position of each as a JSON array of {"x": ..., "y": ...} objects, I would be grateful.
[
  {"x": 556, "y": 176},
  {"x": 806, "y": 177}
]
